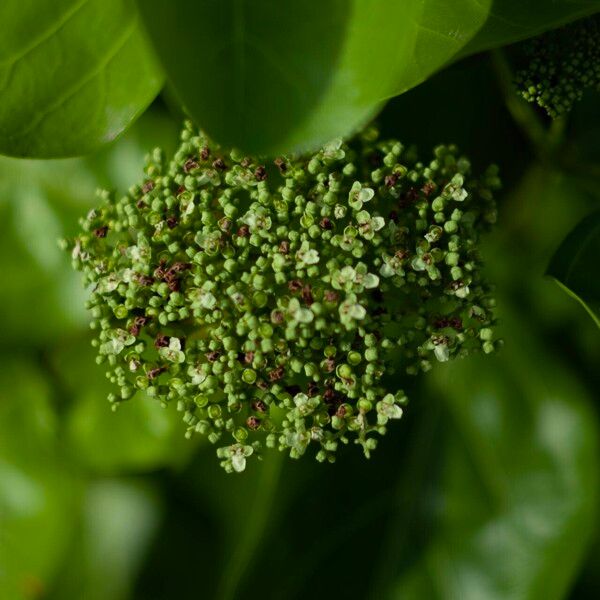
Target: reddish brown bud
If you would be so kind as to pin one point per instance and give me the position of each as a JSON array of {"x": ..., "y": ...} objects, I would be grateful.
[
  {"x": 295, "y": 285},
  {"x": 205, "y": 153},
  {"x": 259, "y": 406},
  {"x": 260, "y": 173},
  {"x": 148, "y": 186},
  {"x": 281, "y": 165},
  {"x": 161, "y": 341},
  {"x": 101, "y": 231},
  {"x": 253, "y": 423},
  {"x": 190, "y": 165}
]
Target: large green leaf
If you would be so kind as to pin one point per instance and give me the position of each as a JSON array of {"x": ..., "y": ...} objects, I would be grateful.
[
  {"x": 575, "y": 266},
  {"x": 513, "y": 20},
  {"x": 74, "y": 74},
  {"x": 486, "y": 490},
  {"x": 518, "y": 489},
  {"x": 117, "y": 520},
  {"x": 271, "y": 77}
]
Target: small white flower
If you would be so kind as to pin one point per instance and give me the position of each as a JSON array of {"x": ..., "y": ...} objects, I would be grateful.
[{"x": 307, "y": 255}]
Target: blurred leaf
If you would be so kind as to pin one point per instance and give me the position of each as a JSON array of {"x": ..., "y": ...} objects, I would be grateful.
[
  {"x": 37, "y": 495},
  {"x": 486, "y": 490},
  {"x": 509, "y": 21},
  {"x": 574, "y": 266},
  {"x": 518, "y": 491},
  {"x": 118, "y": 521},
  {"x": 42, "y": 300},
  {"x": 140, "y": 436},
  {"x": 74, "y": 74},
  {"x": 274, "y": 77}
]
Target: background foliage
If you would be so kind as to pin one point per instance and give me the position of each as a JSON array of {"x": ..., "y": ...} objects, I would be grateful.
[{"x": 487, "y": 489}]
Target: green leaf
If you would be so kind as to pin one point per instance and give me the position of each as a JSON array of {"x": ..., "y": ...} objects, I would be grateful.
[
  {"x": 514, "y": 20},
  {"x": 574, "y": 266},
  {"x": 274, "y": 77},
  {"x": 37, "y": 494},
  {"x": 486, "y": 490},
  {"x": 74, "y": 74},
  {"x": 117, "y": 521},
  {"x": 41, "y": 202},
  {"x": 519, "y": 486}
]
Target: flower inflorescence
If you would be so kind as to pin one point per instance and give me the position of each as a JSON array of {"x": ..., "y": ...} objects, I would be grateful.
[
  {"x": 561, "y": 65},
  {"x": 278, "y": 304}
]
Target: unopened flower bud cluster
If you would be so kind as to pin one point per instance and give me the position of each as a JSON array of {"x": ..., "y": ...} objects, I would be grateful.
[
  {"x": 561, "y": 65},
  {"x": 279, "y": 304}
]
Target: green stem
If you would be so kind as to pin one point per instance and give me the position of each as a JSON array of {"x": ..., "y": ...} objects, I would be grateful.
[{"x": 256, "y": 523}]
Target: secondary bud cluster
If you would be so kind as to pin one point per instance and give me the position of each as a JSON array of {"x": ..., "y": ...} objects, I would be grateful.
[
  {"x": 561, "y": 65},
  {"x": 279, "y": 304}
]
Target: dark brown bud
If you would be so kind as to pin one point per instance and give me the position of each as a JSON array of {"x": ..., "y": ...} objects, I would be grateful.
[
  {"x": 261, "y": 384},
  {"x": 313, "y": 389},
  {"x": 326, "y": 224},
  {"x": 148, "y": 186},
  {"x": 219, "y": 164},
  {"x": 243, "y": 231},
  {"x": 205, "y": 153},
  {"x": 253, "y": 423},
  {"x": 276, "y": 374},
  {"x": 172, "y": 222},
  {"x": 178, "y": 267},
  {"x": 213, "y": 356},
  {"x": 295, "y": 285},
  {"x": 277, "y": 317},
  {"x": 307, "y": 296},
  {"x": 101, "y": 231},
  {"x": 409, "y": 197},
  {"x": 284, "y": 247},
  {"x": 281, "y": 165},
  {"x": 161, "y": 341},
  {"x": 428, "y": 188},
  {"x": 391, "y": 180},
  {"x": 456, "y": 323},
  {"x": 190, "y": 165},
  {"x": 145, "y": 280},
  {"x": 174, "y": 285},
  {"x": 259, "y": 406},
  {"x": 260, "y": 173},
  {"x": 329, "y": 395},
  {"x": 329, "y": 365},
  {"x": 154, "y": 373}
]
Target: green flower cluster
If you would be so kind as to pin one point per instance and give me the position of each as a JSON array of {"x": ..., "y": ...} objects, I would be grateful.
[
  {"x": 560, "y": 66},
  {"x": 279, "y": 304}
]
